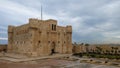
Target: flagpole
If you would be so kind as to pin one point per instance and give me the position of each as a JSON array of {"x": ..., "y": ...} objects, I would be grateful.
[{"x": 41, "y": 12}]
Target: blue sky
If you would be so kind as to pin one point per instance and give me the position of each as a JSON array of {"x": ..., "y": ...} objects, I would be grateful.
[{"x": 93, "y": 21}]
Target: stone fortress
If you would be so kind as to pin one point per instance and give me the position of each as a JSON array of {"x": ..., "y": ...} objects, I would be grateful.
[{"x": 40, "y": 38}]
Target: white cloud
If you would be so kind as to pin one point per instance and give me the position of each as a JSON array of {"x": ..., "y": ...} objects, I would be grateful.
[
  {"x": 21, "y": 12},
  {"x": 109, "y": 10},
  {"x": 89, "y": 19},
  {"x": 3, "y": 38},
  {"x": 3, "y": 32},
  {"x": 2, "y": 27}
]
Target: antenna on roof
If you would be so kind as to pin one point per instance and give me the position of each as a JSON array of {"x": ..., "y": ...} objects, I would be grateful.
[{"x": 41, "y": 12}]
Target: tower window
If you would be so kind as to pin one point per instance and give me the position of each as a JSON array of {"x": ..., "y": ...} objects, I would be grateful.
[
  {"x": 48, "y": 41},
  {"x": 53, "y": 27},
  {"x": 38, "y": 41}
]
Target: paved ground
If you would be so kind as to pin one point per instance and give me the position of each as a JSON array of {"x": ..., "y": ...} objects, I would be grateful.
[
  {"x": 54, "y": 61},
  {"x": 46, "y": 63},
  {"x": 50, "y": 63}
]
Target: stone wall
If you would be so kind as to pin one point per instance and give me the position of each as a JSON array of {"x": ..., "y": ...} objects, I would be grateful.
[
  {"x": 96, "y": 48},
  {"x": 39, "y": 38},
  {"x": 79, "y": 48}
]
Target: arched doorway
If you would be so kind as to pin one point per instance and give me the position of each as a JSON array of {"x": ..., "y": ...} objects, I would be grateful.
[{"x": 52, "y": 48}]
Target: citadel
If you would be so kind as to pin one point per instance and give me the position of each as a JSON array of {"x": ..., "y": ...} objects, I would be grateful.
[
  {"x": 46, "y": 37},
  {"x": 40, "y": 38}
]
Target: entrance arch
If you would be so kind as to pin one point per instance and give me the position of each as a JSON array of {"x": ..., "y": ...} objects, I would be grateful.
[{"x": 52, "y": 48}]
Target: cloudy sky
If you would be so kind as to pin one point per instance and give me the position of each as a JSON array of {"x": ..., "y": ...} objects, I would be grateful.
[{"x": 93, "y": 21}]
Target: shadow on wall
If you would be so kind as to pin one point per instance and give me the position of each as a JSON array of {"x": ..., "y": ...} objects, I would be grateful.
[{"x": 3, "y": 47}]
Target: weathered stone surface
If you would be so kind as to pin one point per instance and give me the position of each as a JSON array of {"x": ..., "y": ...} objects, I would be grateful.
[
  {"x": 3, "y": 47},
  {"x": 97, "y": 48},
  {"x": 40, "y": 38}
]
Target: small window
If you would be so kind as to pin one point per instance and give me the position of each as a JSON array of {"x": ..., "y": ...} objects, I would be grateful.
[
  {"x": 48, "y": 41},
  {"x": 47, "y": 32},
  {"x": 38, "y": 41},
  {"x": 53, "y": 27}
]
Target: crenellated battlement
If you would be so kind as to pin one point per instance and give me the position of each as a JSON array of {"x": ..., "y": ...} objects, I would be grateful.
[
  {"x": 51, "y": 21},
  {"x": 69, "y": 28},
  {"x": 10, "y": 28},
  {"x": 33, "y": 20}
]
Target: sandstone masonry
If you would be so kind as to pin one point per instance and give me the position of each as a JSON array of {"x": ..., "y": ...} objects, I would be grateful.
[{"x": 40, "y": 38}]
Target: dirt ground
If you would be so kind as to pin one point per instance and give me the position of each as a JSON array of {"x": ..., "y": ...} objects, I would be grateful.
[
  {"x": 51, "y": 63},
  {"x": 45, "y": 63}
]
